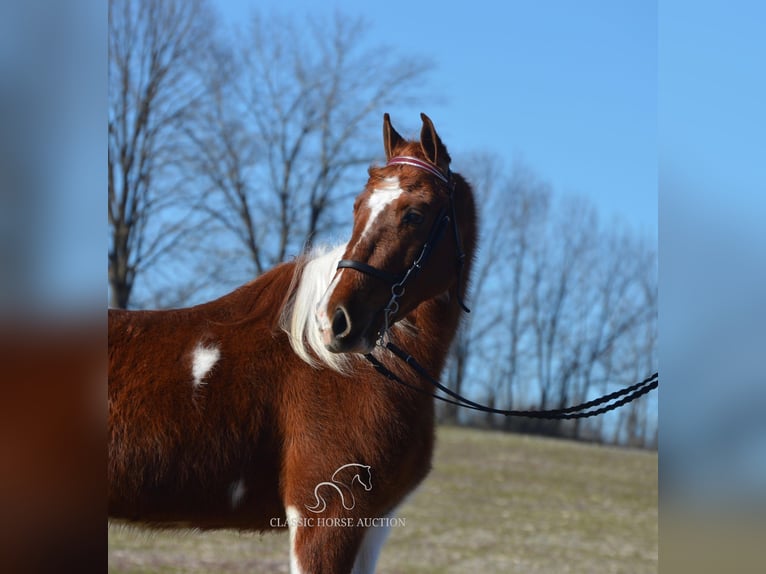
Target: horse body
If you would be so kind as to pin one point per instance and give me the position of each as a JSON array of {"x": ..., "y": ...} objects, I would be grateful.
[{"x": 231, "y": 413}]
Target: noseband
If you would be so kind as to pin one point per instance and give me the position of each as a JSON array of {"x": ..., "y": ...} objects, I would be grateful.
[{"x": 399, "y": 282}]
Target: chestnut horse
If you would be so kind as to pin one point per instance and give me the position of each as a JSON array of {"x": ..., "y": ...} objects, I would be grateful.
[{"x": 241, "y": 412}]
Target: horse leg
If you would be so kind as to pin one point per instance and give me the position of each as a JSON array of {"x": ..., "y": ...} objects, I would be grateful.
[
  {"x": 372, "y": 543},
  {"x": 318, "y": 545}
]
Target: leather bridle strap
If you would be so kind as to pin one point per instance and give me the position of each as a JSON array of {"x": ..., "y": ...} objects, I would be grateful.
[
  {"x": 448, "y": 179},
  {"x": 369, "y": 270},
  {"x": 419, "y": 163}
]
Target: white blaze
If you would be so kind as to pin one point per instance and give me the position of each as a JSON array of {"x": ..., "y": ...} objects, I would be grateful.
[{"x": 379, "y": 199}]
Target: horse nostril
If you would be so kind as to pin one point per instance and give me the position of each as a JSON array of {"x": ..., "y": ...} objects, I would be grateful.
[{"x": 341, "y": 324}]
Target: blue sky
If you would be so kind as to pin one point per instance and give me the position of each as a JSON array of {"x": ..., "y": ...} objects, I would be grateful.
[{"x": 571, "y": 88}]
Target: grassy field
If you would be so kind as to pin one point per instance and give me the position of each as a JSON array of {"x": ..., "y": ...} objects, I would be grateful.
[{"x": 493, "y": 503}]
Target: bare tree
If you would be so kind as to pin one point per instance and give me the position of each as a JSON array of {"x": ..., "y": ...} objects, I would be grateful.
[
  {"x": 528, "y": 205},
  {"x": 564, "y": 304},
  {"x": 615, "y": 312},
  {"x": 292, "y": 128},
  {"x": 558, "y": 265},
  {"x": 154, "y": 48}
]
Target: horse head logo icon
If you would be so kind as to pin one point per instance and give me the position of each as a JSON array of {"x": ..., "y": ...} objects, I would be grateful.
[{"x": 341, "y": 482}]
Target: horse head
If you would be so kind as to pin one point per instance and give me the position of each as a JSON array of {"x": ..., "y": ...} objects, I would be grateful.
[{"x": 405, "y": 246}]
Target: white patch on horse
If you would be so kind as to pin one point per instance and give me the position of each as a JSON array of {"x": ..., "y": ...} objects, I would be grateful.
[
  {"x": 372, "y": 544},
  {"x": 305, "y": 314},
  {"x": 237, "y": 492},
  {"x": 293, "y": 516},
  {"x": 203, "y": 360},
  {"x": 379, "y": 199}
]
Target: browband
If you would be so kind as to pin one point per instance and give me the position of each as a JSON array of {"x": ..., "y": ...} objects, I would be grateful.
[{"x": 419, "y": 163}]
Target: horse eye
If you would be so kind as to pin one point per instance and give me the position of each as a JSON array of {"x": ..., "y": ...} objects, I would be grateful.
[{"x": 412, "y": 218}]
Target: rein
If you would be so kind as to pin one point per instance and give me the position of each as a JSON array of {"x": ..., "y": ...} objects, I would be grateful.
[
  {"x": 610, "y": 402},
  {"x": 398, "y": 283}
]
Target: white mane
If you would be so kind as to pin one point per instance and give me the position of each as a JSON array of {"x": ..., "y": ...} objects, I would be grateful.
[{"x": 299, "y": 318}]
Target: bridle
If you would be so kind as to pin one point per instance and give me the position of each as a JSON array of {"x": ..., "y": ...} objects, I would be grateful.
[
  {"x": 592, "y": 408},
  {"x": 399, "y": 282}
]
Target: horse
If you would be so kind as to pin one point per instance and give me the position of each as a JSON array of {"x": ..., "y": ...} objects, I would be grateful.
[{"x": 231, "y": 413}]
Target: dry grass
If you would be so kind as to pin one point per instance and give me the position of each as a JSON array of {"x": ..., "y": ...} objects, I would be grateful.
[{"x": 494, "y": 503}]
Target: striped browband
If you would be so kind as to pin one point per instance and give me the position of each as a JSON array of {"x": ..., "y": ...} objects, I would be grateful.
[{"x": 419, "y": 163}]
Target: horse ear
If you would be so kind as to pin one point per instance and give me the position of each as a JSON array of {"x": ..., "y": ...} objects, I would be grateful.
[
  {"x": 391, "y": 138},
  {"x": 432, "y": 145}
]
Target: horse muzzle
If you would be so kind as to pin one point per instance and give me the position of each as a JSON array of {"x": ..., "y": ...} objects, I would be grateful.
[{"x": 342, "y": 334}]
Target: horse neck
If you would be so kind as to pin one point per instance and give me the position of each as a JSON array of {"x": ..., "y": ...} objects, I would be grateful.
[
  {"x": 435, "y": 322},
  {"x": 436, "y": 327}
]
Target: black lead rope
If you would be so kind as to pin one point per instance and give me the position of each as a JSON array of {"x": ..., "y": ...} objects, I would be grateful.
[{"x": 583, "y": 410}]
